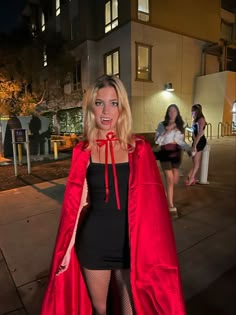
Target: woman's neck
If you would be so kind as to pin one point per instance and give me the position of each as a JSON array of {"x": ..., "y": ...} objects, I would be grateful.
[{"x": 103, "y": 133}]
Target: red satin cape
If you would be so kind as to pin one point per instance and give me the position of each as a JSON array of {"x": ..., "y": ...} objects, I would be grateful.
[{"x": 154, "y": 271}]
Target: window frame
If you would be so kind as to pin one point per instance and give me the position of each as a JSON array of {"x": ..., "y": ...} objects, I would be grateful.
[
  {"x": 227, "y": 24},
  {"x": 137, "y": 45},
  {"x": 112, "y": 21},
  {"x": 145, "y": 15},
  {"x": 111, "y": 53}
]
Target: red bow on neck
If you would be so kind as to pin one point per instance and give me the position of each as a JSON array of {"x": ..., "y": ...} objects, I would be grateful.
[{"x": 108, "y": 143}]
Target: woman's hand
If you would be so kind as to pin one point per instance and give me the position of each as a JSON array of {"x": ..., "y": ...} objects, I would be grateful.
[
  {"x": 171, "y": 127},
  {"x": 194, "y": 150}
]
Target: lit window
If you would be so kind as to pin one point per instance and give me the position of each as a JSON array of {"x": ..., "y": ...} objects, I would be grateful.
[
  {"x": 43, "y": 22},
  {"x": 111, "y": 15},
  {"x": 58, "y": 7},
  {"x": 77, "y": 76},
  {"x": 45, "y": 57},
  {"x": 143, "y": 10},
  {"x": 112, "y": 63},
  {"x": 143, "y": 62}
]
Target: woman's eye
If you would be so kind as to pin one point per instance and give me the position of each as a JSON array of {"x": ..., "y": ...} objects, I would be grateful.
[
  {"x": 98, "y": 103},
  {"x": 114, "y": 103}
]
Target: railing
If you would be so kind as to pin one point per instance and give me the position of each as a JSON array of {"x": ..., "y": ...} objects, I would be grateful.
[
  {"x": 188, "y": 134},
  {"x": 220, "y": 130},
  {"x": 208, "y": 133},
  {"x": 209, "y": 129},
  {"x": 225, "y": 129}
]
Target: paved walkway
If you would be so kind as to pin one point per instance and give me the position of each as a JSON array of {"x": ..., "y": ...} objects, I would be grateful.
[{"x": 205, "y": 235}]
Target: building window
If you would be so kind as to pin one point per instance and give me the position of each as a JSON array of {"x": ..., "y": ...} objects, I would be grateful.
[
  {"x": 43, "y": 22},
  {"x": 143, "y": 62},
  {"x": 226, "y": 30},
  {"x": 58, "y": 7},
  {"x": 143, "y": 10},
  {"x": 111, "y": 15},
  {"x": 112, "y": 63},
  {"x": 77, "y": 76},
  {"x": 45, "y": 57}
]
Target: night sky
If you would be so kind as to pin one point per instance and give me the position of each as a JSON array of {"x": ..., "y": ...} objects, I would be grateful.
[{"x": 10, "y": 11}]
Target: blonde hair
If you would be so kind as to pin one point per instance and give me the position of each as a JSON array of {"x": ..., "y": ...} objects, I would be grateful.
[{"x": 124, "y": 122}]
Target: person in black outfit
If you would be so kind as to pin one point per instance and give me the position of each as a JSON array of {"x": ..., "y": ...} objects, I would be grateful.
[
  {"x": 199, "y": 142},
  {"x": 102, "y": 242},
  {"x": 115, "y": 249}
]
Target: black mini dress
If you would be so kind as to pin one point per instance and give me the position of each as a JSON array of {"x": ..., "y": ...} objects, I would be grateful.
[
  {"x": 102, "y": 241},
  {"x": 202, "y": 141}
]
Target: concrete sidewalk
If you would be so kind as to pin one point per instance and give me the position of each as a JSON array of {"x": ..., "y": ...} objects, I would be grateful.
[{"x": 205, "y": 235}]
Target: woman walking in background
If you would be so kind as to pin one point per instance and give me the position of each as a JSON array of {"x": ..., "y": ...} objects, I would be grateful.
[
  {"x": 199, "y": 142},
  {"x": 170, "y": 137}
]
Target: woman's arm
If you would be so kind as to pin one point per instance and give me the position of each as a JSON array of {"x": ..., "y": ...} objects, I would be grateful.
[
  {"x": 201, "y": 125},
  {"x": 160, "y": 129}
]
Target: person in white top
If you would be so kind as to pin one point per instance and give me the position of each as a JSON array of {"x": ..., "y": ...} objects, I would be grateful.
[{"x": 170, "y": 138}]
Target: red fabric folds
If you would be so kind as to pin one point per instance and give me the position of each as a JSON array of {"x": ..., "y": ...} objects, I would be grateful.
[{"x": 154, "y": 271}]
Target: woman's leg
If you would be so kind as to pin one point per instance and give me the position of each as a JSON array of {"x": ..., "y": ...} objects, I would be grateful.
[
  {"x": 97, "y": 282},
  {"x": 196, "y": 164},
  {"x": 176, "y": 175},
  {"x": 122, "y": 278},
  {"x": 170, "y": 187}
]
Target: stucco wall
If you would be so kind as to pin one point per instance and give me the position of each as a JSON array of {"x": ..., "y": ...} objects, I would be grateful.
[
  {"x": 92, "y": 53},
  {"x": 190, "y": 18},
  {"x": 175, "y": 58},
  {"x": 216, "y": 93}
]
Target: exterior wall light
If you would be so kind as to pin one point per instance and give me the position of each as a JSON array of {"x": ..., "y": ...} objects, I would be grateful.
[{"x": 169, "y": 87}]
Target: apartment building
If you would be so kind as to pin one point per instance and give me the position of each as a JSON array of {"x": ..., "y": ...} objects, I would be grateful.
[{"x": 151, "y": 45}]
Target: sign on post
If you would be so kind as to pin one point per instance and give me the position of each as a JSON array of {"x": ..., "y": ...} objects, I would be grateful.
[{"x": 20, "y": 136}]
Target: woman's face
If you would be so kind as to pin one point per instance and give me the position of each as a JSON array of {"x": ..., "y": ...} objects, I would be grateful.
[
  {"x": 172, "y": 112},
  {"x": 194, "y": 113},
  {"x": 105, "y": 109}
]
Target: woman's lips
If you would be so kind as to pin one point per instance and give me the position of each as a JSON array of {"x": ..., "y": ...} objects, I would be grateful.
[{"x": 106, "y": 121}]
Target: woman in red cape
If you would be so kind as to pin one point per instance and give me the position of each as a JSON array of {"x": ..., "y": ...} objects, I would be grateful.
[{"x": 94, "y": 257}]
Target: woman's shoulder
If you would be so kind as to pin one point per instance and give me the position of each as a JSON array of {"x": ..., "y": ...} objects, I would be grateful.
[
  {"x": 201, "y": 121},
  {"x": 81, "y": 146}
]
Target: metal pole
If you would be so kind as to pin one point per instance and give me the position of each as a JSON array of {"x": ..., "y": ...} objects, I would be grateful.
[
  {"x": 14, "y": 151},
  {"x": 204, "y": 165},
  {"x": 19, "y": 148},
  {"x": 55, "y": 149},
  {"x": 28, "y": 151},
  {"x": 1, "y": 149}
]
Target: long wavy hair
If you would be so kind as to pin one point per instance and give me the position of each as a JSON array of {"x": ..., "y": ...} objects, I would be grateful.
[
  {"x": 198, "y": 109},
  {"x": 178, "y": 120},
  {"x": 124, "y": 122}
]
